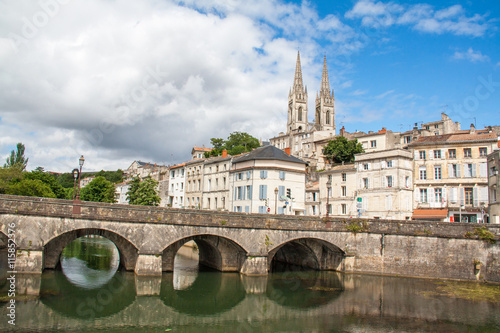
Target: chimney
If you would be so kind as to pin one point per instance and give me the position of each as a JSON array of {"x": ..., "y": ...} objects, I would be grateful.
[
  {"x": 383, "y": 130},
  {"x": 342, "y": 131},
  {"x": 472, "y": 129},
  {"x": 288, "y": 150},
  {"x": 224, "y": 153}
]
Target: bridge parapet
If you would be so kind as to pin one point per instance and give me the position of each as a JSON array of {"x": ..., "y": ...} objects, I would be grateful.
[{"x": 194, "y": 217}]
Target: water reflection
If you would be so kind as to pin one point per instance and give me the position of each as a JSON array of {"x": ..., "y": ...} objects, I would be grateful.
[
  {"x": 90, "y": 261},
  {"x": 186, "y": 266},
  {"x": 210, "y": 301}
]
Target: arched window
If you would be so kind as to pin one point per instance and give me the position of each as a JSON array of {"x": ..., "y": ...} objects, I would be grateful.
[
  {"x": 328, "y": 117},
  {"x": 300, "y": 114}
]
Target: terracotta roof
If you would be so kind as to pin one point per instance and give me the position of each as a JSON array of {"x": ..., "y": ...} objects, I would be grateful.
[
  {"x": 436, "y": 213},
  {"x": 177, "y": 166},
  {"x": 202, "y": 149},
  {"x": 480, "y": 135},
  {"x": 312, "y": 186}
]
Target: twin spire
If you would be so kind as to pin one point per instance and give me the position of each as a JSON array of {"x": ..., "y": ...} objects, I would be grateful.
[{"x": 298, "y": 85}]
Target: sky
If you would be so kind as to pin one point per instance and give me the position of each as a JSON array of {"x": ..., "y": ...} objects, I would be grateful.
[{"x": 125, "y": 80}]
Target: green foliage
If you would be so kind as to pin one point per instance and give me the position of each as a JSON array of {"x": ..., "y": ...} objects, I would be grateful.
[
  {"x": 99, "y": 190},
  {"x": 17, "y": 158},
  {"x": 9, "y": 176},
  {"x": 236, "y": 143},
  {"x": 143, "y": 192},
  {"x": 31, "y": 188},
  {"x": 342, "y": 150},
  {"x": 356, "y": 227},
  {"x": 112, "y": 176},
  {"x": 484, "y": 234},
  {"x": 48, "y": 179},
  {"x": 66, "y": 180}
]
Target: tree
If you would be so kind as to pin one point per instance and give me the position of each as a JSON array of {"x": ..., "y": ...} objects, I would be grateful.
[
  {"x": 342, "y": 150},
  {"x": 17, "y": 158},
  {"x": 143, "y": 192},
  {"x": 236, "y": 143},
  {"x": 99, "y": 190},
  {"x": 31, "y": 188},
  {"x": 49, "y": 180},
  {"x": 8, "y": 177}
]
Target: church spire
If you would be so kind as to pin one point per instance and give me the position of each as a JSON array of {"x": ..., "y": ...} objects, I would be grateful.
[
  {"x": 325, "y": 84},
  {"x": 298, "y": 86}
]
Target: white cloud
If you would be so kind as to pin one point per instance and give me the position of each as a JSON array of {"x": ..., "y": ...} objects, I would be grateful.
[
  {"x": 422, "y": 17},
  {"x": 470, "y": 55}
]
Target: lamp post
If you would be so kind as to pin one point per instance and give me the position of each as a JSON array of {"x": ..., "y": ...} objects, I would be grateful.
[
  {"x": 276, "y": 201},
  {"x": 328, "y": 187},
  {"x": 80, "y": 161},
  {"x": 460, "y": 212}
]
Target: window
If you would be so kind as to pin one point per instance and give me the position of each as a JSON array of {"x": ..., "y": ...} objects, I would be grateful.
[
  {"x": 262, "y": 192},
  {"x": 224, "y": 181},
  {"x": 422, "y": 154},
  {"x": 389, "y": 164},
  {"x": 423, "y": 173},
  {"x": 454, "y": 171},
  {"x": 423, "y": 195},
  {"x": 328, "y": 117},
  {"x": 344, "y": 209},
  {"x": 262, "y": 209},
  {"x": 389, "y": 181},
  {"x": 365, "y": 182},
  {"x": 240, "y": 176},
  {"x": 249, "y": 192},
  {"x": 344, "y": 177},
  {"x": 437, "y": 172},
  {"x": 407, "y": 181},
  {"x": 407, "y": 139},
  {"x": 469, "y": 197},
  {"x": 209, "y": 184},
  {"x": 215, "y": 203},
  {"x": 452, "y": 153},
  {"x": 483, "y": 152},
  {"x": 467, "y": 152},
  {"x": 437, "y": 154},
  {"x": 282, "y": 175},
  {"x": 436, "y": 126},
  {"x": 438, "y": 195},
  {"x": 373, "y": 143},
  {"x": 470, "y": 170},
  {"x": 239, "y": 193},
  {"x": 344, "y": 191},
  {"x": 263, "y": 174},
  {"x": 365, "y": 166}
]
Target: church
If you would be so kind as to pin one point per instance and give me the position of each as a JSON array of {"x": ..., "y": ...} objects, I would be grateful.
[{"x": 303, "y": 139}]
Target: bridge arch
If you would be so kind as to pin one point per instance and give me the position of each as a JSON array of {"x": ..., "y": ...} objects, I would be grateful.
[
  {"x": 217, "y": 252},
  {"x": 54, "y": 247},
  {"x": 3, "y": 240},
  {"x": 313, "y": 253}
]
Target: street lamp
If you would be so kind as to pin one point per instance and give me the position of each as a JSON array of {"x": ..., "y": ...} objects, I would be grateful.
[
  {"x": 460, "y": 212},
  {"x": 80, "y": 162},
  {"x": 328, "y": 187},
  {"x": 276, "y": 201}
]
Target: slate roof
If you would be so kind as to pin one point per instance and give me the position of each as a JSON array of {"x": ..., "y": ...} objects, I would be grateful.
[{"x": 268, "y": 153}]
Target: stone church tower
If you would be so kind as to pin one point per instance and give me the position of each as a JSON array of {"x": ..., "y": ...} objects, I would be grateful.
[
  {"x": 297, "y": 103},
  {"x": 324, "y": 117}
]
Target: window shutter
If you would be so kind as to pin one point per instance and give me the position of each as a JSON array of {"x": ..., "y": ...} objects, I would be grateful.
[
  {"x": 382, "y": 165},
  {"x": 483, "y": 170},
  {"x": 475, "y": 194},
  {"x": 264, "y": 190},
  {"x": 462, "y": 196},
  {"x": 281, "y": 210},
  {"x": 474, "y": 170},
  {"x": 431, "y": 154},
  {"x": 247, "y": 209},
  {"x": 450, "y": 171},
  {"x": 430, "y": 195},
  {"x": 281, "y": 191},
  {"x": 340, "y": 209},
  {"x": 235, "y": 193},
  {"x": 250, "y": 192},
  {"x": 483, "y": 196},
  {"x": 417, "y": 194},
  {"x": 445, "y": 195},
  {"x": 416, "y": 154},
  {"x": 459, "y": 170},
  {"x": 243, "y": 192},
  {"x": 248, "y": 174}
]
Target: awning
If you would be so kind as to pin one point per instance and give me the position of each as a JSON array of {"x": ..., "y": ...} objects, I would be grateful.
[{"x": 437, "y": 213}]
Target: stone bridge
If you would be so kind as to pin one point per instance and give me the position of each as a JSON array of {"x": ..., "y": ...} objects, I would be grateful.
[{"x": 148, "y": 239}]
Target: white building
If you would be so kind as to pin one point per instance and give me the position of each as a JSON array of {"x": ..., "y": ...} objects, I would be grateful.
[
  {"x": 216, "y": 182},
  {"x": 268, "y": 180},
  {"x": 177, "y": 182}
]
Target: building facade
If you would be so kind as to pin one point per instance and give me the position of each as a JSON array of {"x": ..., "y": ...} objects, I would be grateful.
[
  {"x": 493, "y": 161},
  {"x": 177, "y": 182},
  {"x": 216, "y": 181},
  {"x": 450, "y": 175},
  {"x": 267, "y": 180}
]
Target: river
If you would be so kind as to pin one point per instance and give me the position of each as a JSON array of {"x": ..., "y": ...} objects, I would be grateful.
[{"x": 89, "y": 293}]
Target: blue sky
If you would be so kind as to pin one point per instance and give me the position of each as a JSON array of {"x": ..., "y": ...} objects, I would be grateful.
[{"x": 123, "y": 80}]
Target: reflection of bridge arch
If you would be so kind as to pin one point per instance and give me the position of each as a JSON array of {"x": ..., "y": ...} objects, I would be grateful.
[
  {"x": 216, "y": 252},
  {"x": 59, "y": 294},
  {"x": 3, "y": 240},
  {"x": 304, "y": 290},
  {"x": 311, "y": 253},
  {"x": 55, "y": 246},
  {"x": 211, "y": 293}
]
